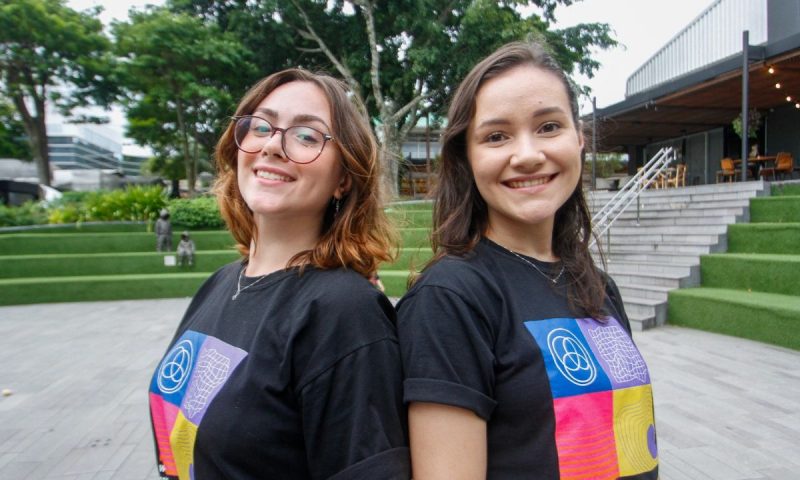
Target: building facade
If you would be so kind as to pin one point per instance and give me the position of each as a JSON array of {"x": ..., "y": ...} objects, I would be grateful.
[{"x": 689, "y": 93}]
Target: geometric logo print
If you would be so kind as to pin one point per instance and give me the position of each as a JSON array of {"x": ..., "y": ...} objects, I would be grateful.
[
  {"x": 176, "y": 367},
  {"x": 585, "y": 436},
  {"x": 622, "y": 360},
  {"x": 572, "y": 366},
  {"x": 188, "y": 379},
  {"x": 212, "y": 369},
  {"x": 571, "y": 357},
  {"x": 602, "y": 399},
  {"x": 634, "y": 429}
]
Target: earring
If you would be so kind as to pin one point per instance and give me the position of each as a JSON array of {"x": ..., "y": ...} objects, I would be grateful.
[{"x": 336, "y": 207}]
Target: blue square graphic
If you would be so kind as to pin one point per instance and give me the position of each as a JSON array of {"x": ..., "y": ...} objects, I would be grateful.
[
  {"x": 171, "y": 379},
  {"x": 571, "y": 365}
]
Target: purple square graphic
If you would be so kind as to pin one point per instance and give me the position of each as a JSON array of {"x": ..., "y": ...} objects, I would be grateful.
[
  {"x": 616, "y": 352},
  {"x": 216, "y": 362}
]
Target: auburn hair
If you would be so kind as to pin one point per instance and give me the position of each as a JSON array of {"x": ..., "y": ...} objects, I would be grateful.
[
  {"x": 359, "y": 235},
  {"x": 460, "y": 214}
]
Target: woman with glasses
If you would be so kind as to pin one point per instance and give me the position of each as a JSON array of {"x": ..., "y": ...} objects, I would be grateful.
[
  {"x": 286, "y": 363},
  {"x": 517, "y": 351}
]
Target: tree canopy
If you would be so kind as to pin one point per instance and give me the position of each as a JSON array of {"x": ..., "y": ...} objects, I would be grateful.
[
  {"x": 51, "y": 53},
  {"x": 179, "y": 70},
  {"x": 176, "y": 73},
  {"x": 12, "y": 134},
  {"x": 403, "y": 57}
]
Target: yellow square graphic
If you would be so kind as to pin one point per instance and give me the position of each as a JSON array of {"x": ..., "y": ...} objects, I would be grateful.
[
  {"x": 182, "y": 440},
  {"x": 634, "y": 430}
]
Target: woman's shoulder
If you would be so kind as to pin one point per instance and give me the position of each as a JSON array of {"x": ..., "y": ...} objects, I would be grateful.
[
  {"x": 335, "y": 281},
  {"x": 342, "y": 290},
  {"x": 467, "y": 275}
]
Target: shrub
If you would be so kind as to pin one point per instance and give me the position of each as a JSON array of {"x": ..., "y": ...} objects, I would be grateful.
[
  {"x": 195, "y": 213},
  {"x": 136, "y": 203},
  {"x": 29, "y": 213}
]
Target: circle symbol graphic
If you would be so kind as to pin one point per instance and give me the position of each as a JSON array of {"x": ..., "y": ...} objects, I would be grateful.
[
  {"x": 571, "y": 357},
  {"x": 175, "y": 368}
]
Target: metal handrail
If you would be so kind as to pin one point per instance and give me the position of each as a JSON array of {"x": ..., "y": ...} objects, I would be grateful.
[{"x": 605, "y": 217}]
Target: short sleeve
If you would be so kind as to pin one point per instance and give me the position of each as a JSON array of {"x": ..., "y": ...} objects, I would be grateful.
[
  {"x": 354, "y": 418},
  {"x": 447, "y": 351}
]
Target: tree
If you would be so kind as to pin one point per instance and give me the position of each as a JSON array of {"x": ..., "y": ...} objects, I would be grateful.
[
  {"x": 12, "y": 134},
  {"x": 404, "y": 57},
  {"x": 174, "y": 70},
  {"x": 51, "y": 53}
]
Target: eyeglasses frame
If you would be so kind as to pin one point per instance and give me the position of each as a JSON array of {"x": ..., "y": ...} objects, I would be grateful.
[{"x": 325, "y": 137}]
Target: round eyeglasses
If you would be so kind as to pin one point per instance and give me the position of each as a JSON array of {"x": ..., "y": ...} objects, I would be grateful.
[{"x": 300, "y": 144}]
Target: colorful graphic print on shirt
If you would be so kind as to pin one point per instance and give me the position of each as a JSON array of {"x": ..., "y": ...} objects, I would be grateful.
[
  {"x": 184, "y": 384},
  {"x": 602, "y": 398}
]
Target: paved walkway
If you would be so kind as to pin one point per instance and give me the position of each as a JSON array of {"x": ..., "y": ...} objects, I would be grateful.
[{"x": 725, "y": 408}]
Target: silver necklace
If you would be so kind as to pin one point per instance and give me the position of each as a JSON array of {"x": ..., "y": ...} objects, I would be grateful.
[
  {"x": 239, "y": 288},
  {"x": 553, "y": 280}
]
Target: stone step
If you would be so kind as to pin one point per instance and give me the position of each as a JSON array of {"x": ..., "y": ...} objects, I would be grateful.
[
  {"x": 646, "y": 307},
  {"x": 694, "y": 205},
  {"x": 659, "y": 280},
  {"x": 621, "y": 238},
  {"x": 710, "y": 208},
  {"x": 676, "y": 220},
  {"x": 654, "y": 292},
  {"x": 666, "y": 247},
  {"x": 634, "y": 267},
  {"x": 655, "y": 247},
  {"x": 640, "y": 323},
  {"x": 630, "y": 212},
  {"x": 620, "y": 255},
  {"x": 754, "y": 188},
  {"x": 647, "y": 229}
]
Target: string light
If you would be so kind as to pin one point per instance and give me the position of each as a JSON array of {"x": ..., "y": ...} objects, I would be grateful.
[{"x": 790, "y": 99}]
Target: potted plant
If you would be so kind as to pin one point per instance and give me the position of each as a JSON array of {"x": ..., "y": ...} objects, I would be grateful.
[{"x": 753, "y": 124}]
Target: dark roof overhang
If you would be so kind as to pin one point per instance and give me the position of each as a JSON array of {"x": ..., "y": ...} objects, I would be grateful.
[{"x": 702, "y": 100}]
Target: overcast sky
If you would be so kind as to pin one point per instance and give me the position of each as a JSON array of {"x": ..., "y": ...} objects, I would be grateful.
[{"x": 641, "y": 26}]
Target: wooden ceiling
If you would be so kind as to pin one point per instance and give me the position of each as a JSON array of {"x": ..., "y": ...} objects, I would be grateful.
[{"x": 711, "y": 104}]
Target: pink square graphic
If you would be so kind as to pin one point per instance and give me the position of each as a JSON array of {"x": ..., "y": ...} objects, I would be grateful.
[
  {"x": 585, "y": 436},
  {"x": 164, "y": 415}
]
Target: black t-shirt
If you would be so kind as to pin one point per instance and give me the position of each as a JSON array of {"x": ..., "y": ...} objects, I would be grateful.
[
  {"x": 298, "y": 378},
  {"x": 563, "y": 397}
]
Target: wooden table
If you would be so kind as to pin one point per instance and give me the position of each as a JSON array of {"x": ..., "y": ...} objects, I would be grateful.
[{"x": 754, "y": 164}]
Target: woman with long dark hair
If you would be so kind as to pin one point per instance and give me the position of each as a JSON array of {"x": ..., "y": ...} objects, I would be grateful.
[{"x": 517, "y": 352}]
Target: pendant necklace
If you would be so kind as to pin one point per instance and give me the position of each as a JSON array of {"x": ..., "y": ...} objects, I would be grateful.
[
  {"x": 553, "y": 280},
  {"x": 239, "y": 288}
]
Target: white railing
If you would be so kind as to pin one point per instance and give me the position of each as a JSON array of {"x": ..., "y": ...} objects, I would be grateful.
[
  {"x": 714, "y": 35},
  {"x": 652, "y": 170}
]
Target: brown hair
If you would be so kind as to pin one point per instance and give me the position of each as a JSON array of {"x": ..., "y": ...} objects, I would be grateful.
[
  {"x": 460, "y": 214},
  {"x": 359, "y": 236}
]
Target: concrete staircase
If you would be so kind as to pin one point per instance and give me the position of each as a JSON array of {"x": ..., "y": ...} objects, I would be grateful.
[{"x": 661, "y": 251}]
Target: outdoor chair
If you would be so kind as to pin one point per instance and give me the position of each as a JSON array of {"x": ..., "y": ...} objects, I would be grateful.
[
  {"x": 658, "y": 181},
  {"x": 679, "y": 177},
  {"x": 728, "y": 170},
  {"x": 784, "y": 164}
]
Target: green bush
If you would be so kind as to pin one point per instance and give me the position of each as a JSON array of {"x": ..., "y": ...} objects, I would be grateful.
[
  {"x": 29, "y": 213},
  {"x": 195, "y": 213},
  {"x": 137, "y": 203}
]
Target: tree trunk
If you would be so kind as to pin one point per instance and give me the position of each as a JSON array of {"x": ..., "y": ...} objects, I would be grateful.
[
  {"x": 391, "y": 158},
  {"x": 36, "y": 130},
  {"x": 188, "y": 161}
]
